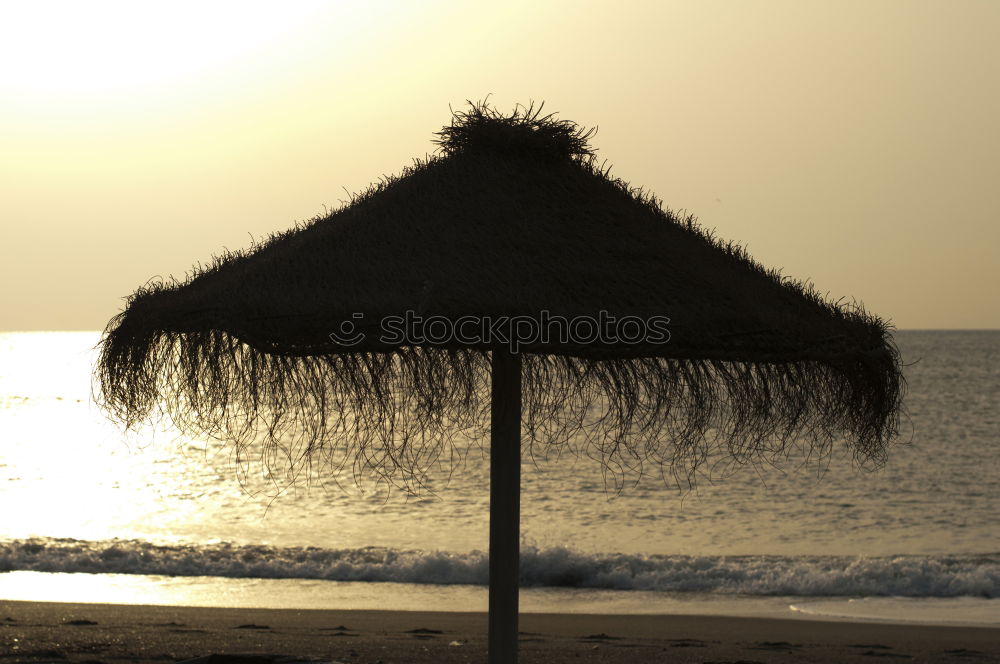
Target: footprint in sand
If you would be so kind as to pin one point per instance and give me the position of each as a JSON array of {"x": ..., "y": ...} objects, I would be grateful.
[
  {"x": 79, "y": 622},
  {"x": 965, "y": 652},
  {"x": 776, "y": 645},
  {"x": 423, "y": 633},
  {"x": 178, "y": 628},
  {"x": 339, "y": 630},
  {"x": 880, "y": 653},
  {"x": 252, "y": 626}
]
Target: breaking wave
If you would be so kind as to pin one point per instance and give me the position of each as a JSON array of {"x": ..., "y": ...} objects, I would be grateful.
[{"x": 907, "y": 576}]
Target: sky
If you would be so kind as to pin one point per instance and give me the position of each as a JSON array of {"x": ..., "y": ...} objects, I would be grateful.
[{"x": 853, "y": 144}]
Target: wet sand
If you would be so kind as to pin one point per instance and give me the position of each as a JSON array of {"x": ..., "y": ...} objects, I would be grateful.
[{"x": 51, "y": 632}]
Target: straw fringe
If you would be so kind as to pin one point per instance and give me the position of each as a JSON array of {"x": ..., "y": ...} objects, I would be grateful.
[{"x": 392, "y": 416}]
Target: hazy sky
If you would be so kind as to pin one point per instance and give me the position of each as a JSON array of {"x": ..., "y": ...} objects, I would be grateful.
[{"x": 852, "y": 143}]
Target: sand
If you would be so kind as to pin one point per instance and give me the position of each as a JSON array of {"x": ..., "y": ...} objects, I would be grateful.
[{"x": 51, "y": 632}]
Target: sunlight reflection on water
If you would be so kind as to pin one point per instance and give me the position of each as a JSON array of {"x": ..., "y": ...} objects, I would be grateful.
[{"x": 72, "y": 473}]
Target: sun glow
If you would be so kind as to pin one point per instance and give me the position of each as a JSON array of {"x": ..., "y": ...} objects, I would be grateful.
[{"x": 97, "y": 48}]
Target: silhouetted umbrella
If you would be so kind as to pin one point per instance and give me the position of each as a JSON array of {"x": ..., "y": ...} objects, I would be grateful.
[{"x": 512, "y": 261}]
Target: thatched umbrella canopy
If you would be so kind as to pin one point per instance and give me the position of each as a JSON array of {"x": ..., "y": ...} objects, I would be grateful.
[{"x": 371, "y": 335}]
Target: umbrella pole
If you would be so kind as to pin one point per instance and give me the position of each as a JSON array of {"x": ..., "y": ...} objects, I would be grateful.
[{"x": 505, "y": 505}]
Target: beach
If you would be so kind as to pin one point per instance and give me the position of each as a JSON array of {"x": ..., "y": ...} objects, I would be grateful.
[{"x": 47, "y": 632}]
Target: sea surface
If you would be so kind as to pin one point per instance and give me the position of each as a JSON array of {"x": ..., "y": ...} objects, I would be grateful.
[{"x": 91, "y": 513}]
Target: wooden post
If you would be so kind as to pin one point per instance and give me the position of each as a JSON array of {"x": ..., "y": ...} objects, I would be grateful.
[{"x": 505, "y": 505}]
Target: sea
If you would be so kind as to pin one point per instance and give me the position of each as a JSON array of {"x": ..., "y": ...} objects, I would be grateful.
[{"x": 92, "y": 513}]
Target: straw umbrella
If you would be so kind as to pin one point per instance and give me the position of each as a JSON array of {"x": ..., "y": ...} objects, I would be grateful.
[{"x": 512, "y": 264}]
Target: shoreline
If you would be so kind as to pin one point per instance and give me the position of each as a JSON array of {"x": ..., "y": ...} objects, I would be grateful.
[
  {"x": 312, "y": 594},
  {"x": 67, "y": 632}
]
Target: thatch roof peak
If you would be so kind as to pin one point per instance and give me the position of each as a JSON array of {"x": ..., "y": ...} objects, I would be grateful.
[{"x": 523, "y": 132}]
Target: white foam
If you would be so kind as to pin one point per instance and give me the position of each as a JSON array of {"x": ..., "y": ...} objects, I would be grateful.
[
  {"x": 935, "y": 610},
  {"x": 836, "y": 576}
]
